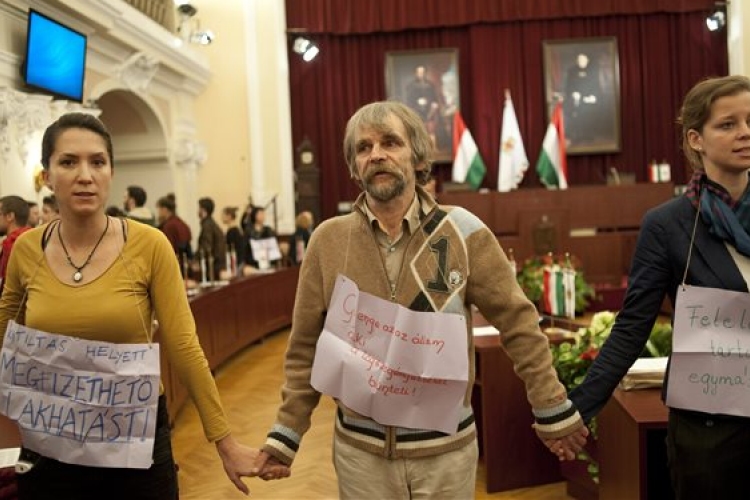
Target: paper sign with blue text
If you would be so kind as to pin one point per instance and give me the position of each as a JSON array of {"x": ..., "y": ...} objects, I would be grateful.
[
  {"x": 80, "y": 401},
  {"x": 397, "y": 366},
  {"x": 710, "y": 366}
]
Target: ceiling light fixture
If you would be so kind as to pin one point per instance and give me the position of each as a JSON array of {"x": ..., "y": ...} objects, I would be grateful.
[
  {"x": 306, "y": 48},
  {"x": 718, "y": 18},
  {"x": 189, "y": 28}
]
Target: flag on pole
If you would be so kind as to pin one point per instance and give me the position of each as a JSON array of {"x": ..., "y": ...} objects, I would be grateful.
[
  {"x": 513, "y": 160},
  {"x": 569, "y": 285},
  {"x": 552, "y": 165},
  {"x": 559, "y": 290},
  {"x": 467, "y": 163},
  {"x": 553, "y": 293}
]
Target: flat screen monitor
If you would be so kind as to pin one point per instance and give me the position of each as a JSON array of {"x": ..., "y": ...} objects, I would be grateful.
[{"x": 55, "y": 58}]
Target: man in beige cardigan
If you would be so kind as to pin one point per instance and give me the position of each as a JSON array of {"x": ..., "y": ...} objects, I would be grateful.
[{"x": 398, "y": 245}]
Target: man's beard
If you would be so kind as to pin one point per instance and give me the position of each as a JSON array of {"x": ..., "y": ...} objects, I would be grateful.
[{"x": 385, "y": 192}]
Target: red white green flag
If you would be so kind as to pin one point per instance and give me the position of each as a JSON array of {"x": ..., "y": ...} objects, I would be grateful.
[
  {"x": 468, "y": 166},
  {"x": 552, "y": 165},
  {"x": 558, "y": 291}
]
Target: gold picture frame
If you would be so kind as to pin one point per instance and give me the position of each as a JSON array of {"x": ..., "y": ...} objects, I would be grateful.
[
  {"x": 584, "y": 73},
  {"x": 427, "y": 81}
]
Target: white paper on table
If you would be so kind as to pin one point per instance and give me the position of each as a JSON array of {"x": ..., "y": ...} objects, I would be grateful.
[
  {"x": 397, "y": 366},
  {"x": 9, "y": 457},
  {"x": 483, "y": 331},
  {"x": 710, "y": 367}
]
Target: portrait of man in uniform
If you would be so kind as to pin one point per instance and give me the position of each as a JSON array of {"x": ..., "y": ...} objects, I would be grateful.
[{"x": 427, "y": 82}]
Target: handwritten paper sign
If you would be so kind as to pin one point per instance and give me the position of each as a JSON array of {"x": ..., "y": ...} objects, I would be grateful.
[
  {"x": 710, "y": 367},
  {"x": 79, "y": 401},
  {"x": 397, "y": 366}
]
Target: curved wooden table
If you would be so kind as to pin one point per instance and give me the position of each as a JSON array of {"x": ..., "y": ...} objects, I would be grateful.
[{"x": 228, "y": 319}]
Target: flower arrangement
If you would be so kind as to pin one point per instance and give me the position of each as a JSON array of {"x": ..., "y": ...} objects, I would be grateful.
[
  {"x": 573, "y": 359},
  {"x": 530, "y": 277}
]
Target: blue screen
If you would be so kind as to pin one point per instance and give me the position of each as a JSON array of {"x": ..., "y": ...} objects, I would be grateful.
[{"x": 55, "y": 57}]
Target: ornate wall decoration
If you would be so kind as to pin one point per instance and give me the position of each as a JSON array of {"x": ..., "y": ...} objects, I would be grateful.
[{"x": 137, "y": 72}]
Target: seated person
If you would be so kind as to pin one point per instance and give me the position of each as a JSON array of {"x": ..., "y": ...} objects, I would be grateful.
[
  {"x": 258, "y": 231},
  {"x": 301, "y": 237}
]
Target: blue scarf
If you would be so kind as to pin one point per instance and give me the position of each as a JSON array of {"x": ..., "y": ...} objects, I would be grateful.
[{"x": 726, "y": 219}]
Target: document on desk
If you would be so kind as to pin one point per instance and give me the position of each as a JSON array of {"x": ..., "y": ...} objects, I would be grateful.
[
  {"x": 9, "y": 457},
  {"x": 485, "y": 331}
]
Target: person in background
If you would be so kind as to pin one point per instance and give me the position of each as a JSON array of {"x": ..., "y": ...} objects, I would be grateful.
[
  {"x": 245, "y": 219},
  {"x": 211, "y": 243},
  {"x": 700, "y": 241},
  {"x": 14, "y": 217},
  {"x": 34, "y": 214},
  {"x": 301, "y": 237},
  {"x": 234, "y": 237},
  {"x": 50, "y": 211},
  {"x": 256, "y": 230},
  {"x": 175, "y": 229},
  {"x": 100, "y": 279},
  {"x": 401, "y": 248},
  {"x": 114, "y": 211},
  {"x": 134, "y": 204}
]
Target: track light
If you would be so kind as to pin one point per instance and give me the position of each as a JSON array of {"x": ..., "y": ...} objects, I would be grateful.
[
  {"x": 306, "y": 48},
  {"x": 718, "y": 18}
]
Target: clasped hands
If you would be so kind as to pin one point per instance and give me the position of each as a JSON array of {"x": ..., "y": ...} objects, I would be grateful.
[
  {"x": 568, "y": 447},
  {"x": 242, "y": 461}
]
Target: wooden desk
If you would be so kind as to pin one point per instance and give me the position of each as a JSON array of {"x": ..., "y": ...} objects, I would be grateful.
[
  {"x": 603, "y": 238},
  {"x": 512, "y": 453},
  {"x": 9, "y": 436},
  {"x": 632, "y": 449},
  {"x": 231, "y": 317}
]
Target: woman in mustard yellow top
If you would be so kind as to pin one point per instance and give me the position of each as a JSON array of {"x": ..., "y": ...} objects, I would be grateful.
[{"x": 100, "y": 278}]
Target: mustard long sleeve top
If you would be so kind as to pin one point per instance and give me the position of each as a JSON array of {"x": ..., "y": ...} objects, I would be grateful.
[{"x": 117, "y": 307}]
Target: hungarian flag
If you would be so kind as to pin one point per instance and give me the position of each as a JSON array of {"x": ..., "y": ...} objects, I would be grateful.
[
  {"x": 559, "y": 291},
  {"x": 553, "y": 291},
  {"x": 552, "y": 165},
  {"x": 468, "y": 166},
  {"x": 513, "y": 160}
]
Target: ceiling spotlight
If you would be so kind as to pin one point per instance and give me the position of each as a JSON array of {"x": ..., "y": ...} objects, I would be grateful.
[
  {"x": 306, "y": 48},
  {"x": 718, "y": 19},
  {"x": 186, "y": 9},
  {"x": 203, "y": 37}
]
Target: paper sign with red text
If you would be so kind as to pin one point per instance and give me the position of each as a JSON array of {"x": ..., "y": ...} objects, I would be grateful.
[
  {"x": 397, "y": 366},
  {"x": 710, "y": 366}
]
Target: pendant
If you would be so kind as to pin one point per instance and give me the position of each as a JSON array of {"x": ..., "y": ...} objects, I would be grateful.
[{"x": 77, "y": 276}]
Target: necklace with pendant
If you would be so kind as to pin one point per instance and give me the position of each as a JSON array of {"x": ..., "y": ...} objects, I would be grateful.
[{"x": 78, "y": 275}]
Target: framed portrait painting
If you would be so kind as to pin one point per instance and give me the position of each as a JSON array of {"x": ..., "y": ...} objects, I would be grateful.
[
  {"x": 427, "y": 81},
  {"x": 584, "y": 74}
]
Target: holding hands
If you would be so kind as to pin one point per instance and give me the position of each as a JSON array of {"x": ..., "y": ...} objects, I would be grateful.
[{"x": 567, "y": 447}]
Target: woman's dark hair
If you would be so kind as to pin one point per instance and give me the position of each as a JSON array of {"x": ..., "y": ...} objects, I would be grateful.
[
  {"x": 74, "y": 120},
  {"x": 168, "y": 201},
  {"x": 254, "y": 214},
  {"x": 231, "y": 212}
]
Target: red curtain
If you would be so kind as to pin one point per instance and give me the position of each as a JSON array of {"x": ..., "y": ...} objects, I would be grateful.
[{"x": 661, "y": 55}]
